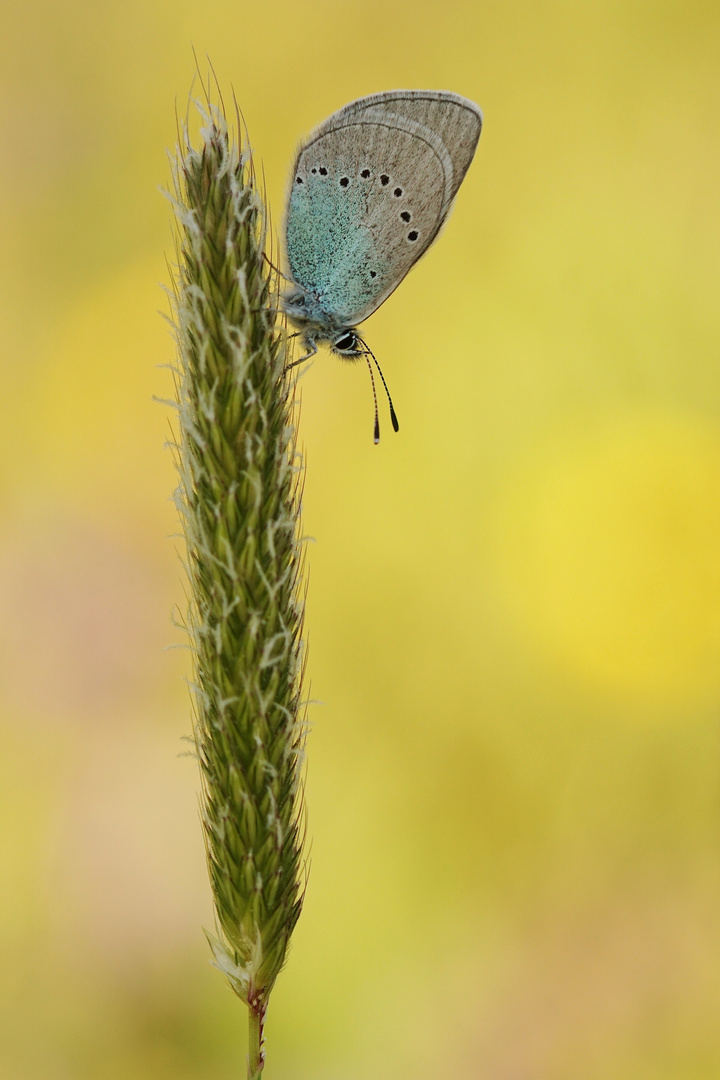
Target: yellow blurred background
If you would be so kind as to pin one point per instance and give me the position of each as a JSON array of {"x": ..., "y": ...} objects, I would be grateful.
[{"x": 514, "y": 606}]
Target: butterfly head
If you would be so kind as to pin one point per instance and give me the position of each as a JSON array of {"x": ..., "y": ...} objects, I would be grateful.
[{"x": 345, "y": 343}]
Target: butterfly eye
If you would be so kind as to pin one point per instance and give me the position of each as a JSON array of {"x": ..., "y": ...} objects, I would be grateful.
[{"x": 346, "y": 343}]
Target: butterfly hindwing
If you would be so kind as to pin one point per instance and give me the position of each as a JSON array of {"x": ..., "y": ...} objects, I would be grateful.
[{"x": 367, "y": 199}]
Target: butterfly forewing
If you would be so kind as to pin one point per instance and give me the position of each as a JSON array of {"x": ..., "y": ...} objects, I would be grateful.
[
  {"x": 370, "y": 190},
  {"x": 456, "y": 120}
]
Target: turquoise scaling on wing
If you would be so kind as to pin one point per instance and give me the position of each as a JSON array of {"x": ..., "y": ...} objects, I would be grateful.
[{"x": 332, "y": 255}]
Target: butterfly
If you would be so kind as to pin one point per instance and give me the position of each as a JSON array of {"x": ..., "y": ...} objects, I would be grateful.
[{"x": 370, "y": 190}]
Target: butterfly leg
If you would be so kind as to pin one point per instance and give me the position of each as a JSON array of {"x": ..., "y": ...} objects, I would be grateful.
[
  {"x": 309, "y": 344},
  {"x": 277, "y": 270}
]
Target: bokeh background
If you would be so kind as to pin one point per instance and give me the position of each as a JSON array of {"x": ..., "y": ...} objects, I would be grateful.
[{"x": 514, "y": 606}]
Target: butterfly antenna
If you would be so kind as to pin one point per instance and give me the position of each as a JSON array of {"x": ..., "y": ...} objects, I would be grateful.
[
  {"x": 376, "y": 431},
  {"x": 369, "y": 352}
]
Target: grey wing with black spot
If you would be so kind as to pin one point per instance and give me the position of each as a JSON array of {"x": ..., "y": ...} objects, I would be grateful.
[{"x": 371, "y": 189}]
